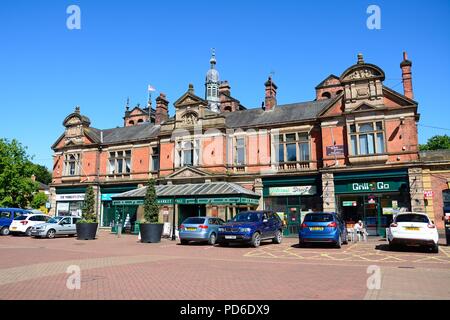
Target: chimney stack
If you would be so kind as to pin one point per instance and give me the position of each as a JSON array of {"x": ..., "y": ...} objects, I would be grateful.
[
  {"x": 162, "y": 110},
  {"x": 407, "y": 77},
  {"x": 225, "y": 88},
  {"x": 271, "y": 95}
]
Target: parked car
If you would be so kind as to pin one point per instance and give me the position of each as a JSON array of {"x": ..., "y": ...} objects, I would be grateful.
[
  {"x": 251, "y": 227},
  {"x": 412, "y": 228},
  {"x": 56, "y": 226},
  {"x": 7, "y": 216},
  {"x": 323, "y": 227},
  {"x": 23, "y": 224},
  {"x": 200, "y": 229}
]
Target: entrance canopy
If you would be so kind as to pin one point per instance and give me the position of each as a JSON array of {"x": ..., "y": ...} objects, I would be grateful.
[{"x": 219, "y": 193}]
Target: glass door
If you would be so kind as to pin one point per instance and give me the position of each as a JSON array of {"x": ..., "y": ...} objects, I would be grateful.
[
  {"x": 293, "y": 220},
  {"x": 372, "y": 216}
]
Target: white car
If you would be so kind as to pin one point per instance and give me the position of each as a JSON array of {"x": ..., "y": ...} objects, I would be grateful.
[
  {"x": 23, "y": 224},
  {"x": 412, "y": 228}
]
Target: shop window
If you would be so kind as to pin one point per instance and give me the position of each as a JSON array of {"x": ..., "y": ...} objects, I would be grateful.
[
  {"x": 155, "y": 158},
  {"x": 119, "y": 162},
  {"x": 239, "y": 151},
  {"x": 292, "y": 147},
  {"x": 188, "y": 152},
  {"x": 367, "y": 138},
  {"x": 72, "y": 164}
]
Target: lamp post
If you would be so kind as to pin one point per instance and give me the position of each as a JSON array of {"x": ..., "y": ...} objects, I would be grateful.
[{"x": 173, "y": 220}]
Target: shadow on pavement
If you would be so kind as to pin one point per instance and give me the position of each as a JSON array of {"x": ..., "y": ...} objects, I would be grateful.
[{"x": 420, "y": 249}]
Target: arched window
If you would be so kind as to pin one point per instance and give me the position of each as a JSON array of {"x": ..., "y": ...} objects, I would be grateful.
[
  {"x": 131, "y": 123},
  {"x": 326, "y": 95},
  {"x": 140, "y": 121},
  {"x": 338, "y": 92},
  {"x": 227, "y": 109}
]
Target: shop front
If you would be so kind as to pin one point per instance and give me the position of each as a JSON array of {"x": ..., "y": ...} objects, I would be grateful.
[
  {"x": 291, "y": 199},
  {"x": 69, "y": 201},
  {"x": 108, "y": 216},
  {"x": 372, "y": 197}
]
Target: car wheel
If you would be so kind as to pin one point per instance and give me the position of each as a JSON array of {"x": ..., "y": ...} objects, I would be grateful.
[
  {"x": 339, "y": 242},
  {"x": 435, "y": 248},
  {"x": 4, "y": 231},
  {"x": 212, "y": 239},
  {"x": 256, "y": 240},
  {"x": 28, "y": 232},
  {"x": 184, "y": 242},
  {"x": 278, "y": 237},
  {"x": 51, "y": 234}
]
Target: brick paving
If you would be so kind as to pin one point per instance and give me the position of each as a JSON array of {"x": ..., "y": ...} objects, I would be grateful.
[{"x": 123, "y": 268}]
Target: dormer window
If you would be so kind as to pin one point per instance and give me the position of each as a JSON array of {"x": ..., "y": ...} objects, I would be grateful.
[{"x": 367, "y": 138}]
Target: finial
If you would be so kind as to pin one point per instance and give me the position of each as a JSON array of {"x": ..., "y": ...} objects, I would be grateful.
[
  {"x": 191, "y": 88},
  {"x": 127, "y": 105},
  {"x": 213, "y": 57},
  {"x": 77, "y": 109},
  {"x": 360, "y": 58}
]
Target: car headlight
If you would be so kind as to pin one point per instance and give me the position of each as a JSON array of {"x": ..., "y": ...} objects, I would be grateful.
[
  {"x": 221, "y": 229},
  {"x": 245, "y": 230}
]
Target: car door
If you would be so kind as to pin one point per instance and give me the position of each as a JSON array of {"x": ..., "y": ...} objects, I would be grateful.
[
  {"x": 73, "y": 225},
  {"x": 265, "y": 221},
  {"x": 64, "y": 226}
]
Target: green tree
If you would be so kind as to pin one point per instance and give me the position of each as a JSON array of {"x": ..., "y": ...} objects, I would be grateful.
[
  {"x": 16, "y": 186},
  {"x": 88, "y": 209},
  {"x": 42, "y": 174},
  {"x": 436, "y": 143},
  {"x": 151, "y": 208},
  {"x": 39, "y": 200}
]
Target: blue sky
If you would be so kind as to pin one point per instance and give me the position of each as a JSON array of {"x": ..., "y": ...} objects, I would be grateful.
[{"x": 47, "y": 69}]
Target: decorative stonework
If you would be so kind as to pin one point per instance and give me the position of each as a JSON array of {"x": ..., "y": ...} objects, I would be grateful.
[
  {"x": 416, "y": 189},
  {"x": 329, "y": 200},
  {"x": 189, "y": 119}
]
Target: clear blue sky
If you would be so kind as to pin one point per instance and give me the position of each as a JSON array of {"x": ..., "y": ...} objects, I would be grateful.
[{"x": 123, "y": 46}]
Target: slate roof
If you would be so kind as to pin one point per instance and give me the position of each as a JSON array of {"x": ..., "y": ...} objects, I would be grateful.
[
  {"x": 281, "y": 114},
  {"x": 122, "y": 134},
  {"x": 190, "y": 189}
]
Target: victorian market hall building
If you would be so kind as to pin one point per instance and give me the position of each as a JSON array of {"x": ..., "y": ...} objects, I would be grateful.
[{"x": 353, "y": 149}]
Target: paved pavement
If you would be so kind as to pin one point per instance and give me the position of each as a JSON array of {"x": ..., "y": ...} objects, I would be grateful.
[{"x": 123, "y": 268}]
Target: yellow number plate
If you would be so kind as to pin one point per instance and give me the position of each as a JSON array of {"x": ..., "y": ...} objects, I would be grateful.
[
  {"x": 412, "y": 228},
  {"x": 316, "y": 228},
  {"x": 191, "y": 229},
  {"x": 13, "y": 228}
]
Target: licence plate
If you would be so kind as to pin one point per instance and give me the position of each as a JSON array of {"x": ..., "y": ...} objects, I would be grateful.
[
  {"x": 316, "y": 228},
  {"x": 230, "y": 237},
  {"x": 412, "y": 228},
  {"x": 191, "y": 229}
]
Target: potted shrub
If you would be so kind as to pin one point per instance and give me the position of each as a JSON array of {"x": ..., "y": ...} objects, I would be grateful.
[
  {"x": 87, "y": 226},
  {"x": 151, "y": 230}
]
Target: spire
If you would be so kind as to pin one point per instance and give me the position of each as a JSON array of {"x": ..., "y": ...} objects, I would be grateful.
[
  {"x": 127, "y": 105},
  {"x": 212, "y": 84},
  {"x": 213, "y": 61}
]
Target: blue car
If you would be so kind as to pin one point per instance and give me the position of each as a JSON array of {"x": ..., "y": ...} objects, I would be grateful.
[
  {"x": 200, "y": 229},
  {"x": 7, "y": 216},
  {"x": 251, "y": 227},
  {"x": 323, "y": 227}
]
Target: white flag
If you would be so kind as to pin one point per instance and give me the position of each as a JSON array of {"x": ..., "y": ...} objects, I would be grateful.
[{"x": 150, "y": 88}]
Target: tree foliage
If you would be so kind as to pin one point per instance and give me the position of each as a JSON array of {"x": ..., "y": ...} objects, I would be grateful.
[
  {"x": 151, "y": 208},
  {"x": 436, "y": 143},
  {"x": 88, "y": 209},
  {"x": 39, "y": 200},
  {"x": 16, "y": 186},
  {"x": 42, "y": 174}
]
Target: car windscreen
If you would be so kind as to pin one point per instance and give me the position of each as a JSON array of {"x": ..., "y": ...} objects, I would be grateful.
[
  {"x": 412, "y": 218},
  {"x": 20, "y": 218},
  {"x": 319, "y": 217},
  {"x": 247, "y": 217},
  {"x": 54, "y": 220},
  {"x": 194, "y": 221}
]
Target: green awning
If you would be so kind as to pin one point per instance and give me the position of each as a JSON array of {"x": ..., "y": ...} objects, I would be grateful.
[{"x": 367, "y": 175}]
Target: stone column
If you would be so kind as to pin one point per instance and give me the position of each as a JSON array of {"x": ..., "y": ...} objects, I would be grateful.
[
  {"x": 329, "y": 200},
  {"x": 259, "y": 190},
  {"x": 416, "y": 189},
  {"x": 52, "y": 200}
]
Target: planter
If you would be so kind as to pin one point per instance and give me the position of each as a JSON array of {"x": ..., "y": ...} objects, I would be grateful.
[
  {"x": 151, "y": 232},
  {"x": 86, "y": 231}
]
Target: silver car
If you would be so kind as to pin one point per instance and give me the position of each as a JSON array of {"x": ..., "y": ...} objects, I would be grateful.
[
  {"x": 200, "y": 229},
  {"x": 56, "y": 226}
]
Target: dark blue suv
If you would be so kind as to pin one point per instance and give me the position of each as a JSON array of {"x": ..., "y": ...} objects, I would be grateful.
[{"x": 251, "y": 227}]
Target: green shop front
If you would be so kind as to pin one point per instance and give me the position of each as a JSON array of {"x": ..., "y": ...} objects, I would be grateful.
[
  {"x": 219, "y": 199},
  {"x": 372, "y": 197},
  {"x": 108, "y": 217},
  {"x": 291, "y": 198}
]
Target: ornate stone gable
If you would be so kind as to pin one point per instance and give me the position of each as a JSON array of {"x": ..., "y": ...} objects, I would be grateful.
[{"x": 188, "y": 172}]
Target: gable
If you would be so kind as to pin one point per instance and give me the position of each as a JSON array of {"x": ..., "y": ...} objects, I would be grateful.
[
  {"x": 336, "y": 108},
  {"x": 394, "y": 99},
  {"x": 189, "y": 99},
  {"x": 188, "y": 172}
]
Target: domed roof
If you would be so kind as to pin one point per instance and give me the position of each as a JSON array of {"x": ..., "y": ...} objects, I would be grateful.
[{"x": 212, "y": 75}]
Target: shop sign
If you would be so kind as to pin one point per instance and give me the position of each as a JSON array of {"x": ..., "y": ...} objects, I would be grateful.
[
  {"x": 70, "y": 197},
  {"x": 164, "y": 201},
  {"x": 428, "y": 194},
  {"x": 108, "y": 196},
  {"x": 128, "y": 202},
  {"x": 337, "y": 150},
  {"x": 292, "y": 191},
  {"x": 349, "y": 203},
  {"x": 366, "y": 187},
  {"x": 63, "y": 206}
]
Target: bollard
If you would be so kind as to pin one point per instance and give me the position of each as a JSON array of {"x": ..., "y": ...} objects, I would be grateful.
[{"x": 119, "y": 230}]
